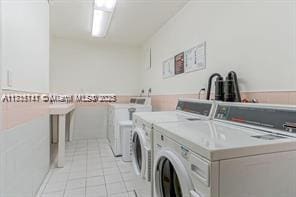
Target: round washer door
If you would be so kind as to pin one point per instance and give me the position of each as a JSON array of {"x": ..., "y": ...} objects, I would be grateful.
[
  {"x": 138, "y": 152},
  {"x": 170, "y": 175}
]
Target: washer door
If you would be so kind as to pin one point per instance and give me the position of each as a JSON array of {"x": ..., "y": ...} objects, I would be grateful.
[
  {"x": 170, "y": 175},
  {"x": 138, "y": 152}
]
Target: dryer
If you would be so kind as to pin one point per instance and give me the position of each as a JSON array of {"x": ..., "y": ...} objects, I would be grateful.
[
  {"x": 142, "y": 137},
  {"x": 121, "y": 112},
  {"x": 247, "y": 150}
]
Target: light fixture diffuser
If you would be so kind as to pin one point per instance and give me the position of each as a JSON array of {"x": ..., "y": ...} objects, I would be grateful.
[
  {"x": 105, "y": 5},
  {"x": 103, "y": 11}
]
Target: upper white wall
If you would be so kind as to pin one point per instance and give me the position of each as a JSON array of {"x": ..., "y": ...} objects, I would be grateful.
[
  {"x": 0, "y": 70},
  {"x": 87, "y": 67},
  {"x": 0, "y": 47},
  {"x": 25, "y": 44},
  {"x": 255, "y": 39}
]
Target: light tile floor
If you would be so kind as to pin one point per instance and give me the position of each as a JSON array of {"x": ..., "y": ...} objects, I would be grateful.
[{"x": 90, "y": 170}]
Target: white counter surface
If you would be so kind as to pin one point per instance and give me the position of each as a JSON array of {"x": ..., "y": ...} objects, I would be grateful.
[{"x": 56, "y": 109}]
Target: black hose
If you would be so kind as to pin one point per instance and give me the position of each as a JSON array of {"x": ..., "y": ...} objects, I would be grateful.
[
  {"x": 210, "y": 84},
  {"x": 236, "y": 88}
]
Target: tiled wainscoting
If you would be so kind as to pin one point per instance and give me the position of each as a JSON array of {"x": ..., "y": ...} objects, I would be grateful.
[
  {"x": 14, "y": 114},
  {"x": 17, "y": 113},
  {"x": 24, "y": 158}
]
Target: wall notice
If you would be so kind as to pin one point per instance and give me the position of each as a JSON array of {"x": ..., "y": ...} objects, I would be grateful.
[
  {"x": 195, "y": 58},
  {"x": 168, "y": 68},
  {"x": 179, "y": 63}
]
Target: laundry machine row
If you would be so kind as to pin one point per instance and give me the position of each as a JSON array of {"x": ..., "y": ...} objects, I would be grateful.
[
  {"x": 187, "y": 110},
  {"x": 246, "y": 150},
  {"x": 117, "y": 113}
]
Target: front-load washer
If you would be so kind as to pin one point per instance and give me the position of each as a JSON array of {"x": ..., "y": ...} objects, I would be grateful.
[
  {"x": 142, "y": 137},
  {"x": 122, "y": 112},
  {"x": 247, "y": 150}
]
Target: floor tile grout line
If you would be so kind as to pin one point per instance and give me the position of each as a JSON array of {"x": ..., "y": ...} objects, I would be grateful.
[
  {"x": 67, "y": 180},
  {"x": 101, "y": 159},
  {"x": 122, "y": 177},
  {"x": 86, "y": 169}
]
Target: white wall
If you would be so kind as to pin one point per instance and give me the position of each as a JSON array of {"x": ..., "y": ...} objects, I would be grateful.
[
  {"x": 25, "y": 30},
  {"x": 87, "y": 67},
  {"x": 1, "y": 115},
  {"x": 1, "y": 184},
  {"x": 255, "y": 39},
  {"x": 90, "y": 122}
]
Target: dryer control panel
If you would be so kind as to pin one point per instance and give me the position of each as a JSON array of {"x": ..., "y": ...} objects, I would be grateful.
[
  {"x": 273, "y": 117},
  {"x": 199, "y": 108}
]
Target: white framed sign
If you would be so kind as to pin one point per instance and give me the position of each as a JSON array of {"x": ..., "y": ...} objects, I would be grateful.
[
  {"x": 148, "y": 59},
  {"x": 195, "y": 58},
  {"x": 168, "y": 68}
]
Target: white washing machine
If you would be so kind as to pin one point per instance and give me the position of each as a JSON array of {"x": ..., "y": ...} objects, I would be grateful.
[
  {"x": 126, "y": 128},
  {"x": 142, "y": 149},
  {"x": 248, "y": 150},
  {"x": 121, "y": 112}
]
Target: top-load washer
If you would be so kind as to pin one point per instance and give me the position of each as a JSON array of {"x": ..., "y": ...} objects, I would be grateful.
[
  {"x": 143, "y": 124},
  {"x": 247, "y": 150},
  {"x": 121, "y": 112}
]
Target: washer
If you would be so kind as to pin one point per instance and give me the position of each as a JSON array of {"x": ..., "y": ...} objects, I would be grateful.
[
  {"x": 142, "y": 157},
  {"x": 126, "y": 128},
  {"x": 121, "y": 112},
  {"x": 247, "y": 150}
]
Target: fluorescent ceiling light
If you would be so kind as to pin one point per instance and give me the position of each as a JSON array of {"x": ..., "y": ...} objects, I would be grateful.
[
  {"x": 101, "y": 22},
  {"x": 103, "y": 11},
  {"x": 105, "y": 5}
]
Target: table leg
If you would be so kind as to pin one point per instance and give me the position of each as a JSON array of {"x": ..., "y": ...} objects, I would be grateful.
[
  {"x": 61, "y": 146},
  {"x": 55, "y": 122},
  {"x": 71, "y": 128}
]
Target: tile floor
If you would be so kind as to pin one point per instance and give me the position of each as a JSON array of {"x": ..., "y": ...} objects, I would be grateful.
[{"x": 90, "y": 171}]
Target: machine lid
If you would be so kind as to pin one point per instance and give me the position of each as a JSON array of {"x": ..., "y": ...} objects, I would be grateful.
[
  {"x": 216, "y": 140},
  {"x": 165, "y": 116},
  {"x": 128, "y": 105},
  {"x": 187, "y": 110}
]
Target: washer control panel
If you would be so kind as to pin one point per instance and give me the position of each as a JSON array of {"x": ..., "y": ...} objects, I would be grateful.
[
  {"x": 265, "y": 116},
  {"x": 199, "y": 108}
]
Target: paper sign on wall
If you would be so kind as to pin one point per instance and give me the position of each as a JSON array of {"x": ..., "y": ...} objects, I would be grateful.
[
  {"x": 195, "y": 58},
  {"x": 168, "y": 68},
  {"x": 148, "y": 59},
  {"x": 179, "y": 63}
]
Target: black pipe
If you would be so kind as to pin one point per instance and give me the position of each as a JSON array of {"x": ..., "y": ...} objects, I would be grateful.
[
  {"x": 235, "y": 85},
  {"x": 210, "y": 84}
]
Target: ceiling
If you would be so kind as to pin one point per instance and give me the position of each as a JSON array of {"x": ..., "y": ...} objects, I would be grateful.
[{"x": 133, "y": 22}]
